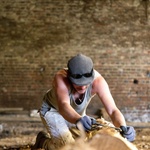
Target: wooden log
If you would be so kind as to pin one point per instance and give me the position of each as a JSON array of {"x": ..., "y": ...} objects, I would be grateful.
[{"x": 104, "y": 138}]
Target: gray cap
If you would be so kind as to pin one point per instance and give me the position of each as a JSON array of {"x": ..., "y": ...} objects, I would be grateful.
[{"x": 80, "y": 69}]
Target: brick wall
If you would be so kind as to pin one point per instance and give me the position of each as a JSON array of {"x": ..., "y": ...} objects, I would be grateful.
[{"x": 37, "y": 37}]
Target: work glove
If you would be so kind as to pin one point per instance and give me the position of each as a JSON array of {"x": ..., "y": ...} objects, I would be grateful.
[
  {"x": 128, "y": 132},
  {"x": 86, "y": 122},
  {"x": 93, "y": 120}
]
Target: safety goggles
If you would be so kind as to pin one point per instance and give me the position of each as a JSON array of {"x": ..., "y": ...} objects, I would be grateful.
[{"x": 78, "y": 76}]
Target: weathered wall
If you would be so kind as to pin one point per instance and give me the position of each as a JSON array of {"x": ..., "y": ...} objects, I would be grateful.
[{"x": 37, "y": 37}]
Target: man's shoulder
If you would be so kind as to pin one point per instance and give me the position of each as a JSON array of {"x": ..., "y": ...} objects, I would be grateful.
[
  {"x": 98, "y": 79},
  {"x": 96, "y": 74},
  {"x": 62, "y": 77},
  {"x": 62, "y": 72}
]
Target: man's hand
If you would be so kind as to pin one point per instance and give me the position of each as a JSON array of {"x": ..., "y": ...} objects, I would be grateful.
[
  {"x": 86, "y": 122},
  {"x": 93, "y": 120},
  {"x": 128, "y": 132}
]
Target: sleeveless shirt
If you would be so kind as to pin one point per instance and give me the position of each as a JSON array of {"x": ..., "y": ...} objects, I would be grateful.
[{"x": 50, "y": 99}]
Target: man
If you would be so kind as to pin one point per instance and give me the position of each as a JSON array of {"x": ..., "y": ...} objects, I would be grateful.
[{"x": 64, "y": 106}]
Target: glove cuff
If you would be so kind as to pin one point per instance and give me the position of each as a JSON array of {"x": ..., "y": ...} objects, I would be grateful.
[{"x": 123, "y": 128}]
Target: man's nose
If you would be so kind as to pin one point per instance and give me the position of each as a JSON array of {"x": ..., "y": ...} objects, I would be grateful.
[{"x": 83, "y": 87}]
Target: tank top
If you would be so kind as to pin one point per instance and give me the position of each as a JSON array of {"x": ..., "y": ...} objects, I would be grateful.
[{"x": 50, "y": 99}]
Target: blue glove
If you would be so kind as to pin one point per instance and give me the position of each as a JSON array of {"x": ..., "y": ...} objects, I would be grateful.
[
  {"x": 93, "y": 120},
  {"x": 128, "y": 132},
  {"x": 86, "y": 122}
]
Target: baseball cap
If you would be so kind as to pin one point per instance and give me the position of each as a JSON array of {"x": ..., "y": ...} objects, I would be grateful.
[{"x": 80, "y": 68}]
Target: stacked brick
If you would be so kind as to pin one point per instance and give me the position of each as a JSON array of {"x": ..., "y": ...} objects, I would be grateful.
[{"x": 38, "y": 37}]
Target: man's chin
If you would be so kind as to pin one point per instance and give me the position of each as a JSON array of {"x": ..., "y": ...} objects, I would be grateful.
[{"x": 81, "y": 91}]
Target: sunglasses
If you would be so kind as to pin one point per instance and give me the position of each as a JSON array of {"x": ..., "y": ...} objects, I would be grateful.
[{"x": 78, "y": 76}]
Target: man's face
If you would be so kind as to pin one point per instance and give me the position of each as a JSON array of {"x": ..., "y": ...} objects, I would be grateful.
[{"x": 80, "y": 89}]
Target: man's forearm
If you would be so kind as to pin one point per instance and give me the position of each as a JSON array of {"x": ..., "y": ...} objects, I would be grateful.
[
  {"x": 69, "y": 113},
  {"x": 118, "y": 119}
]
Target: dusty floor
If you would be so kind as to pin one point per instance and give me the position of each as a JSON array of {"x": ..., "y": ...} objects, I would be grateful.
[
  {"x": 19, "y": 134},
  {"x": 143, "y": 138}
]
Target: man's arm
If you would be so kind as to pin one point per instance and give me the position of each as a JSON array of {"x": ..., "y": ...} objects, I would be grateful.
[
  {"x": 100, "y": 87},
  {"x": 61, "y": 84}
]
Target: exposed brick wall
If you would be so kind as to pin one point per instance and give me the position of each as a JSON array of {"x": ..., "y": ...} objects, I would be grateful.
[{"x": 37, "y": 37}]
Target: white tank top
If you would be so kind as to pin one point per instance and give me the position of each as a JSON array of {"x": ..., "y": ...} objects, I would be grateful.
[{"x": 50, "y": 99}]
